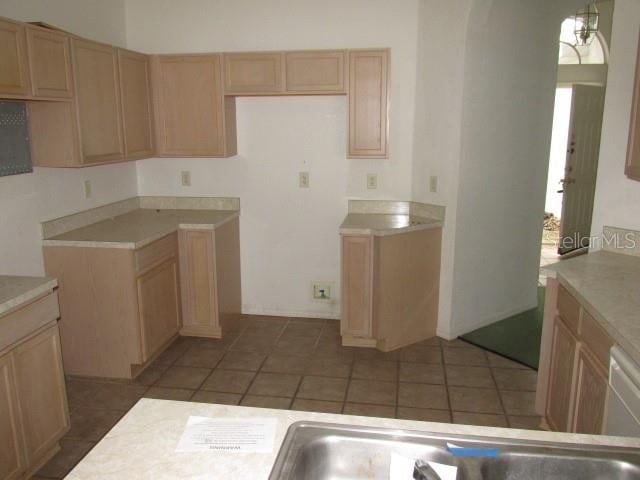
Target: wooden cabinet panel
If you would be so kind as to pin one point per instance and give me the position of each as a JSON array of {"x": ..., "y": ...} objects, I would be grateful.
[
  {"x": 561, "y": 377},
  {"x": 14, "y": 74},
  {"x": 135, "y": 89},
  {"x": 192, "y": 115},
  {"x": 53, "y": 133},
  {"x": 569, "y": 310},
  {"x": 41, "y": 390},
  {"x": 50, "y": 63},
  {"x": 596, "y": 339},
  {"x": 12, "y": 462},
  {"x": 357, "y": 285},
  {"x": 633, "y": 149},
  {"x": 253, "y": 73},
  {"x": 368, "y": 103},
  {"x": 98, "y": 101},
  {"x": 158, "y": 300},
  {"x": 315, "y": 72},
  {"x": 591, "y": 395}
]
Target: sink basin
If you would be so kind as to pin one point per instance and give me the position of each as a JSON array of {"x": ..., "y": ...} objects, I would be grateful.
[{"x": 313, "y": 451}]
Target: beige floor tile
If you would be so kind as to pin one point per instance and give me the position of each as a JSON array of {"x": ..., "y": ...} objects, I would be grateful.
[
  {"x": 501, "y": 362},
  {"x": 334, "y": 350},
  {"x": 322, "y": 406},
  {"x": 518, "y": 403},
  {"x": 302, "y": 329},
  {"x": 515, "y": 379},
  {"x": 424, "y": 414},
  {"x": 474, "y": 400},
  {"x": 525, "y": 422},
  {"x": 277, "y": 363},
  {"x": 421, "y": 373},
  {"x": 266, "y": 402},
  {"x": 421, "y": 353},
  {"x": 151, "y": 374},
  {"x": 481, "y": 419},
  {"x": 275, "y": 384},
  {"x": 107, "y": 395},
  {"x": 72, "y": 451},
  {"x": 466, "y": 376},
  {"x": 367, "y": 410},
  {"x": 422, "y": 395},
  {"x": 295, "y": 345},
  {"x": 166, "y": 393},
  {"x": 323, "y": 388},
  {"x": 198, "y": 356},
  {"x": 92, "y": 424},
  {"x": 456, "y": 343},
  {"x": 375, "y": 370},
  {"x": 372, "y": 391},
  {"x": 183, "y": 377},
  {"x": 376, "y": 355},
  {"x": 217, "y": 344},
  {"x": 216, "y": 397},
  {"x": 171, "y": 354},
  {"x": 473, "y": 357},
  {"x": 229, "y": 381},
  {"x": 242, "y": 361},
  {"x": 329, "y": 367},
  {"x": 254, "y": 345}
]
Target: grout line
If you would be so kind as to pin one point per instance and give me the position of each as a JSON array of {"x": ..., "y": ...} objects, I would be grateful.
[
  {"x": 349, "y": 379},
  {"x": 446, "y": 383}
]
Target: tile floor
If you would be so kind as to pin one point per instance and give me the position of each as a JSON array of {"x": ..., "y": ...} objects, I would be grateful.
[{"x": 300, "y": 364}]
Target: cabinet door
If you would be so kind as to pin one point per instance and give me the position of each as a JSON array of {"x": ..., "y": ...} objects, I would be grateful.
[
  {"x": 136, "y": 103},
  {"x": 253, "y": 73},
  {"x": 357, "y": 285},
  {"x": 158, "y": 303},
  {"x": 368, "y": 103},
  {"x": 315, "y": 72},
  {"x": 591, "y": 395},
  {"x": 560, "y": 395},
  {"x": 50, "y": 62},
  {"x": 14, "y": 76},
  {"x": 190, "y": 105},
  {"x": 41, "y": 390},
  {"x": 198, "y": 283},
  {"x": 12, "y": 462},
  {"x": 633, "y": 150},
  {"x": 98, "y": 101}
]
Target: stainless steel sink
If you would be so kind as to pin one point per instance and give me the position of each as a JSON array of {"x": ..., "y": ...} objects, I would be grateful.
[{"x": 313, "y": 450}]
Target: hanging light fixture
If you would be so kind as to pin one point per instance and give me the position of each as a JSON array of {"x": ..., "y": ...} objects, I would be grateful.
[{"x": 586, "y": 24}]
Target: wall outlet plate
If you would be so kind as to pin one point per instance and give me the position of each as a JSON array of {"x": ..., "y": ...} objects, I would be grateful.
[
  {"x": 433, "y": 184},
  {"x": 304, "y": 180},
  {"x": 321, "y": 291},
  {"x": 185, "y": 178},
  {"x": 372, "y": 181}
]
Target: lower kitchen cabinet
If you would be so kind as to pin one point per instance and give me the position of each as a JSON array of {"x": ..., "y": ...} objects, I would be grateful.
[
  {"x": 591, "y": 395},
  {"x": 561, "y": 373},
  {"x": 12, "y": 455}
]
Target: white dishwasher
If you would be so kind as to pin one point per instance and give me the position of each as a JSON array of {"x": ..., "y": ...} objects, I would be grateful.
[{"x": 623, "y": 410}]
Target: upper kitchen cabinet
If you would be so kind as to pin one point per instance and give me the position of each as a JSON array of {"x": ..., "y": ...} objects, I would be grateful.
[
  {"x": 320, "y": 72},
  {"x": 368, "y": 103},
  {"x": 253, "y": 73},
  {"x": 135, "y": 92},
  {"x": 193, "y": 118},
  {"x": 14, "y": 74},
  {"x": 633, "y": 151},
  {"x": 50, "y": 63},
  {"x": 98, "y": 101}
]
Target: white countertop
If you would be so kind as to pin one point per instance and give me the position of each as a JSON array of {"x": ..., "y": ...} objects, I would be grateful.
[
  {"x": 140, "y": 227},
  {"x": 16, "y": 291},
  {"x": 142, "y": 445},
  {"x": 380, "y": 224},
  {"x": 608, "y": 286}
]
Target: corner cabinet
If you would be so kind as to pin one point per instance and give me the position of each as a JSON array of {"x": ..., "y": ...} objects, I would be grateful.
[{"x": 633, "y": 150}]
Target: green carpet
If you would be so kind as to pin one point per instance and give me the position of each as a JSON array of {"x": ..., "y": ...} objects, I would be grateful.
[{"x": 516, "y": 337}]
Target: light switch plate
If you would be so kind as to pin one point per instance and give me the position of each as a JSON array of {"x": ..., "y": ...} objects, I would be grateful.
[
  {"x": 433, "y": 184},
  {"x": 372, "y": 181},
  {"x": 88, "y": 191},
  {"x": 304, "y": 180},
  {"x": 185, "y": 178}
]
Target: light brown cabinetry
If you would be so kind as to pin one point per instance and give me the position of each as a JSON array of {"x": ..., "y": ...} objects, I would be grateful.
[
  {"x": 633, "y": 150},
  {"x": 14, "y": 74},
  {"x": 357, "y": 287},
  {"x": 50, "y": 63},
  {"x": 315, "y": 72},
  {"x": 12, "y": 455},
  {"x": 368, "y": 103},
  {"x": 253, "y": 73},
  {"x": 135, "y": 93},
  {"x": 193, "y": 118},
  {"x": 572, "y": 379}
]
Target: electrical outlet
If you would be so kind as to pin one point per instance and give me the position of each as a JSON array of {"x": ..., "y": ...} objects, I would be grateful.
[
  {"x": 372, "y": 181},
  {"x": 87, "y": 189},
  {"x": 321, "y": 290},
  {"x": 185, "y": 178},
  {"x": 433, "y": 184},
  {"x": 304, "y": 180}
]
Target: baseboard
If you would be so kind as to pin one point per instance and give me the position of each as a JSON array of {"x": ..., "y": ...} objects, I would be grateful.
[{"x": 253, "y": 310}]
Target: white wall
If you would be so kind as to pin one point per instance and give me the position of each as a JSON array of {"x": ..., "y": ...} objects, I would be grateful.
[
  {"x": 289, "y": 237},
  {"x": 617, "y": 198},
  {"x": 26, "y": 200}
]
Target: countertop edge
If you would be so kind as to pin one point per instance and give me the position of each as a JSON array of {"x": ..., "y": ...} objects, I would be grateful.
[
  {"x": 383, "y": 232},
  {"x": 15, "y": 303}
]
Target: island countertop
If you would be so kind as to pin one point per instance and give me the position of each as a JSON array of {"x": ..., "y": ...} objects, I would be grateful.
[
  {"x": 16, "y": 290},
  {"x": 143, "y": 443},
  {"x": 607, "y": 284},
  {"x": 140, "y": 227}
]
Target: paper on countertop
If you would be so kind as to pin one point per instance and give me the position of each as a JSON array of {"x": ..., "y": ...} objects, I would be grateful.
[
  {"x": 241, "y": 435},
  {"x": 401, "y": 468}
]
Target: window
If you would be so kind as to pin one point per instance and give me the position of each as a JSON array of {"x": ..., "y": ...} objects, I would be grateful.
[{"x": 571, "y": 54}]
